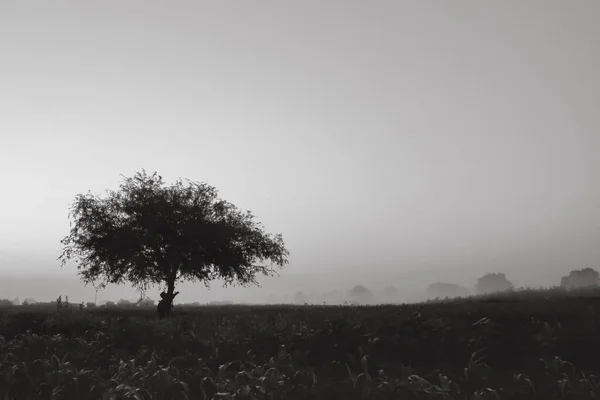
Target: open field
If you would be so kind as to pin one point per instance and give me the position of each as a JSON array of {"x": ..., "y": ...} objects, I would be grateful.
[{"x": 525, "y": 345}]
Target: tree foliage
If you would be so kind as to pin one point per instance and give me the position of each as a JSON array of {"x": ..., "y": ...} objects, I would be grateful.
[{"x": 148, "y": 232}]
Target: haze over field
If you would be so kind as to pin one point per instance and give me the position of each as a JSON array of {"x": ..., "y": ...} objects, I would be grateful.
[{"x": 389, "y": 142}]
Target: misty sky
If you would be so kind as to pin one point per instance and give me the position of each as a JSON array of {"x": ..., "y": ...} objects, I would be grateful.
[{"x": 379, "y": 137}]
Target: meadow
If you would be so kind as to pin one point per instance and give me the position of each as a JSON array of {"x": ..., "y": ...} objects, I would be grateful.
[{"x": 522, "y": 345}]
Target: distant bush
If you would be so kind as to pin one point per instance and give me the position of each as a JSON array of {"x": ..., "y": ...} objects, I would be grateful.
[
  {"x": 6, "y": 303},
  {"x": 493, "y": 283},
  {"x": 29, "y": 301},
  {"x": 147, "y": 303},
  {"x": 194, "y": 304},
  {"x": 220, "y": 303},
  {"x": 443, "y": 290},
  {"x": 390, "y": 294},
  {"x": 123, "y": 303},
  {"x": 361, "y": 294},
  {"x": 583, "y": 278}
]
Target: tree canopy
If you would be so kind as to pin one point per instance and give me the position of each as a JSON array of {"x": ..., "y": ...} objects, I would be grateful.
[{"x": 148, "y": 232}]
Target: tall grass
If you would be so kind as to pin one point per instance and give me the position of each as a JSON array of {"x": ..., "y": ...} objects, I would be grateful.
[{"x": 526, "y": 345}]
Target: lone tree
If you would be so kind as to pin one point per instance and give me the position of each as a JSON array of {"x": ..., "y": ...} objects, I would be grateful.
[{"x": 149, "y": 233}]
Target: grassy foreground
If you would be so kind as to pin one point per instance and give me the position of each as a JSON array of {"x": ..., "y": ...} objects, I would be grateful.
[{"x": 527, "y": 345}]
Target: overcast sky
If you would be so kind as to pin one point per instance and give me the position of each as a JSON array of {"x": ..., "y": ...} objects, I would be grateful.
[{"x": 379, "y": 137}]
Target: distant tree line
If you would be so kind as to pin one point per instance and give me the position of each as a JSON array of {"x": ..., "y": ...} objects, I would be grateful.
[
  {"x": 120, "y": 304},
  {"x": 487, "y": 284},
  {"x": 357, "y": 295}
]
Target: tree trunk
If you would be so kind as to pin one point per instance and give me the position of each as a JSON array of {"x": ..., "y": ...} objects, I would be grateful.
[
  {"x": 170, "y": 289},
  {"x": 165, "y": 305}
]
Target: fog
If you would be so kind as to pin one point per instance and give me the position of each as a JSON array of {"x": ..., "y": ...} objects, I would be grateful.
[{"x": 391, "y": 143}]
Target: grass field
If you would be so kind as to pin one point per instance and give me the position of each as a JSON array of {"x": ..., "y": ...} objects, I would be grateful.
[{"x": 524, "y": 345}]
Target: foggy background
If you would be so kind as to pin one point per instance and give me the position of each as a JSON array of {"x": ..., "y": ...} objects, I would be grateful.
[{"x": 390, "y": 142}]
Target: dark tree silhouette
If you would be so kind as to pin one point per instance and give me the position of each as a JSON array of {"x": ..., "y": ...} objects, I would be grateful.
[
  {"x": 149, "y": 233},
  {"x": 586, "y": 277}
]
